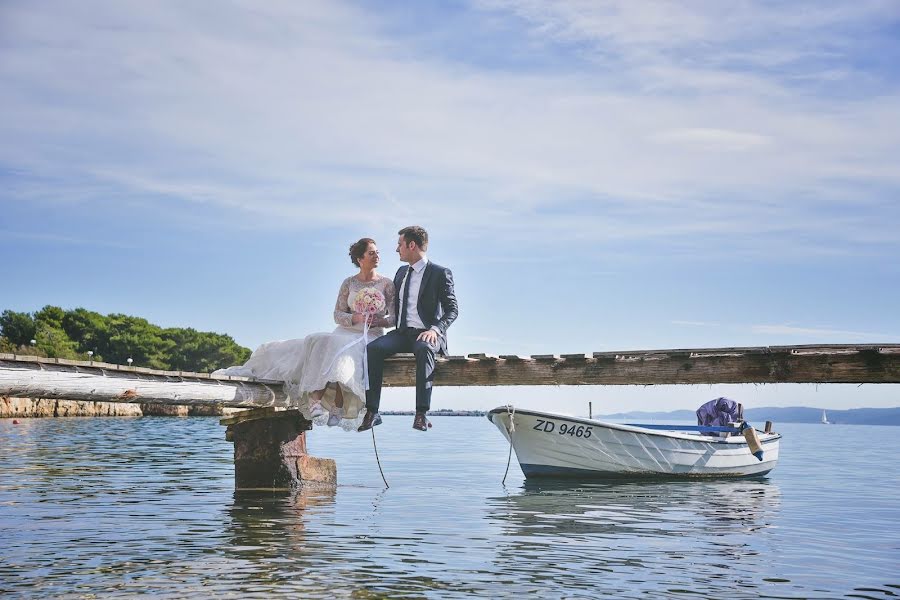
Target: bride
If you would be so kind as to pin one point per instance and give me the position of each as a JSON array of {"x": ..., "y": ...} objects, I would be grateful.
[{"x": 323, "y": 373}]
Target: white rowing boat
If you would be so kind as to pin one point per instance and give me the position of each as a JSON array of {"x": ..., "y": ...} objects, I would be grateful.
[{"x": 555, "y": 445}]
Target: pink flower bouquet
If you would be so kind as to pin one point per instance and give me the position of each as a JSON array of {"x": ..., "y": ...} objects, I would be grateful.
[{"x": 368, "y": 301}]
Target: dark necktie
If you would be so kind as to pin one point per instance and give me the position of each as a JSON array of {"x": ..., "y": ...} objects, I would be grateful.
[{"x": 405, "y": 301}]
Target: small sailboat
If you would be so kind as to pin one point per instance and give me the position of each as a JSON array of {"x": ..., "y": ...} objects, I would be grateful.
[
  {"x": 555, "y": 445},
  {"x": 825, "y": 419}
]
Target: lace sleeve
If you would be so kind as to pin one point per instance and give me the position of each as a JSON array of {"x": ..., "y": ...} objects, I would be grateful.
[
  {"x": 342, "y": 314},
  {"x": 390, "y": 314}
]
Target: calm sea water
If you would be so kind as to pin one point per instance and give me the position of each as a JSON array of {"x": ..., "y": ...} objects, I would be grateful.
[{"x": 146, "y": 506}]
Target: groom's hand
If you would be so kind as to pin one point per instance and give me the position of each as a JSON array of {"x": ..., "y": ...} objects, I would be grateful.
[{"x": 429, "y": 336}]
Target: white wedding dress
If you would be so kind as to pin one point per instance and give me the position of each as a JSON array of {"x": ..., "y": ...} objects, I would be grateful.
[{"x": 308, "y": 364}]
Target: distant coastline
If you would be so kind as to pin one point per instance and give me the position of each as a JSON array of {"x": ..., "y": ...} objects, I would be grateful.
[
  {"x": 443, "y": 412},
  {"x": 29, "y": 407},
  {"x": 791, "y": 414}
]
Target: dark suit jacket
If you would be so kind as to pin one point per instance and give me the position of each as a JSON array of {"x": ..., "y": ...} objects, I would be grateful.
[{"x": 437, "y": 300}]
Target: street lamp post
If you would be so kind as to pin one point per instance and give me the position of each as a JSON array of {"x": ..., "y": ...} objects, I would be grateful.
[{"x": 90, "y": 354}]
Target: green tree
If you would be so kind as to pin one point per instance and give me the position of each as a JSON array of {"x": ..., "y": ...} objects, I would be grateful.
[
  {"x": 50, "y": 315},
  {"x": 17, "y": 327},
  {"x": 203, "y": 351},
  {"x": 89, "y": 330},
  {"x": 136, "y": 338},
  {"x": 115, "y": 338},
  {"x": 6, "y": 346},
  {"x": 54, "y": 343}
]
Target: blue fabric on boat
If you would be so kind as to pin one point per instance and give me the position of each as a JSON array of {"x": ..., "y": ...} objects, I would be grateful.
[{"x": 718, "y": 413}]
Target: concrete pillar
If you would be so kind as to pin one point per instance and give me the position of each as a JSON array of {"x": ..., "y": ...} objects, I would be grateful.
[{"x": 270, "y": 451}]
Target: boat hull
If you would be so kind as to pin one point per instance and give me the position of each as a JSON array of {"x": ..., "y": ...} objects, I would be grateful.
[{"x": 553, "y": 445}]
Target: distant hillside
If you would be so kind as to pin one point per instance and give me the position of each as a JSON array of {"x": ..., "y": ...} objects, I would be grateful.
[
  {"x": 792, "y": 414},
  {"x": 673, "y": 415}
]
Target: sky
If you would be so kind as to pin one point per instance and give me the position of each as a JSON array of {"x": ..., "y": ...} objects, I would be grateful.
[{"x": 599, "y": 175}]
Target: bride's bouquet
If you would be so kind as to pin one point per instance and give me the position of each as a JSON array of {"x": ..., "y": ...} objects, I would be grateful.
[{"x": 368, "y": 301}]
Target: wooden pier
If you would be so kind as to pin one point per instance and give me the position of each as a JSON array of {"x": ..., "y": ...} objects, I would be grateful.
[
  {"x": 269, "y": 440},
  {"x": 33, "y": 377}
]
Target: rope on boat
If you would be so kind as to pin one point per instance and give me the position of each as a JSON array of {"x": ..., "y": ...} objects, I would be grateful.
[
  {"x": 511, "y": 411},
  {"x": 377, "y": 460}
]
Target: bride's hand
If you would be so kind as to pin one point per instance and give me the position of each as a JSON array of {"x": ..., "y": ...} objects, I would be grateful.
[{"x": 360, "y": 317}]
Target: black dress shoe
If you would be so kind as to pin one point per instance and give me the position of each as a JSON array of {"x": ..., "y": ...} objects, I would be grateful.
[
  {"x": 421, "y": 423},
  {"x": 369, "y": 421}
]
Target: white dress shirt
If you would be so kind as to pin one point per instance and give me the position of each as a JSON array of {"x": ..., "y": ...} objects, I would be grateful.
[{"x": 414, "y": 281}]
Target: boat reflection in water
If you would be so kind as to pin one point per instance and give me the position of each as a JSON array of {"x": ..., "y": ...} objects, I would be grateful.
[{"x": 628, "y": 536}]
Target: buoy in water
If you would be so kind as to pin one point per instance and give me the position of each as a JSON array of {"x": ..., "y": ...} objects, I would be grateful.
[{"x": 15, "y": 421}]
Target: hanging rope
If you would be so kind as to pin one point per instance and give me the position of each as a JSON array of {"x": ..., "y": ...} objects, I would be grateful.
[
  {"x": 511, "y": 411},
  {"x": 377, "y": 460}
]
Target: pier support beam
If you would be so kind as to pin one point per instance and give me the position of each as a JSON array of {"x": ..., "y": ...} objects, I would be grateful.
[{"x": 270, "y": 451}]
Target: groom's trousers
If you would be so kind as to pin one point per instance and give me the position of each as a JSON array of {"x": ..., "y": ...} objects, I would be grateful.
[{"x": 401, "y": 340}]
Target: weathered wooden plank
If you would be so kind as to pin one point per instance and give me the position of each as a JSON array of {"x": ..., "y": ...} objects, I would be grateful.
[
  {"x": 64, "y": 361},
  {"x": 685, "y": 351},
  {"x": 248, "y": 415},
  {"x": 28, "y": 376},
  {"x": 488, "y": 357},
  {"x": 830, "y": 347},
  {"x": 31, "y": 379},
  {"x": 460, "y": 358},
  {"x": 101, "y": 365},
  {"x": 109, "y": 366},
  {"x": 27, "y": 358},
  {"x": 774, "y": 367}
]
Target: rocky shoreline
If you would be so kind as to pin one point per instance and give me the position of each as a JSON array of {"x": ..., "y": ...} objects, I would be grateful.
[{"x": 43, "y": 407}]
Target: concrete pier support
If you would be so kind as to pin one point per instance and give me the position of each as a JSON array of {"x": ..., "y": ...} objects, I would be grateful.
[{"x": 270, "y": 451}]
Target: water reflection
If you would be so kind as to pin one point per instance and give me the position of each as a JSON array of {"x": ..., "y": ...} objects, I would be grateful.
[
  {"x": 261, "y": 519},
  {"x": 132, "y": 507},
  {"x": 267, "y": 540},
  {"x": 566, "y": 532},
  {"x": 665, "y": 508}
]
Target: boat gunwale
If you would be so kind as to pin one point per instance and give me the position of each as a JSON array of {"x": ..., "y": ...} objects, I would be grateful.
[{"x": 768, "y": 437}]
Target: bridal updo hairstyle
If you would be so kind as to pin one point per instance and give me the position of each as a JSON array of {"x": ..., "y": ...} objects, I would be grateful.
[{"x": 358, "y": 250}]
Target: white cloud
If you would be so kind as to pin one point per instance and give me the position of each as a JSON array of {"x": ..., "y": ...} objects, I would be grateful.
[
  {"x": 304, "y": 114},
  {"x": 51, "y": 238},
  {"x": 714, "y": 139},
  {"x": 766, "y": 34},
  {"x": 695, "y": 323}
]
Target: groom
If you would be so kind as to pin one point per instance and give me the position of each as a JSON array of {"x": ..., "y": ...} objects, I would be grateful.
[{"x": 426, "y": 306}]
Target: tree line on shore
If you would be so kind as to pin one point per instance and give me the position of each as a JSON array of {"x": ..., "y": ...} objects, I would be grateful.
[{"x": 57, "y": 333}]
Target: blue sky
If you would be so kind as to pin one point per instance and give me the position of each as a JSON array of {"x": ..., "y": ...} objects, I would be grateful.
[{"x": 599, "y": 175}]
